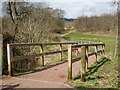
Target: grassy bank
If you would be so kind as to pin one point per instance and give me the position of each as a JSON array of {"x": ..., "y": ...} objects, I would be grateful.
[{"x": 102, "y": 74}]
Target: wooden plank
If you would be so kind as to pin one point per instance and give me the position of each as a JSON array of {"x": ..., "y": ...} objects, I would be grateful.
[
  {"x": 103, "y": 46},
  {"x": 34, "y": 44},
  {"x": 99, "y": 51},
  {"x": 9, "y": 59},
  {"x": 73, "y": 46},
  {"x": 93, "y": 53},
  {"x": 96, "y": 51},
  {"x": 69, "y": 62},
  {"x": 76, "y": 59},
  {"x": 42, "y": 57},
  {"x": 83, "y": 63},
  {"x": 56, "y": 43},
  {"x": 54, "y": 52},
  {"x": 60, "y": 52},
  {"x": 87, "y": 56},
  {"x": 79, "y": 51},
  {"x": 16, "y": 58},
  {"x": 90, "y": 54}
]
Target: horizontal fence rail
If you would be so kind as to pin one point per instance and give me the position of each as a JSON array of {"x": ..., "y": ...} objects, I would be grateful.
[
  {"x": 99, "y": 44},
  {"x": 34, "y": 44},
  {"x": 85, "y": 53},
  {"x": 82, "y": 52},
  {"x": 12, "y": 58}
]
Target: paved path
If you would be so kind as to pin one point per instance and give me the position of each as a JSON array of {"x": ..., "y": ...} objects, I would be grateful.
[
  {"x": 54, "y": 77},
  {"x": 61, "y": 39}
]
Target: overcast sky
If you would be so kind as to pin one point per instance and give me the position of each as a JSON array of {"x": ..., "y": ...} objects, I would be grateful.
[{"x": 76, "y": 8}]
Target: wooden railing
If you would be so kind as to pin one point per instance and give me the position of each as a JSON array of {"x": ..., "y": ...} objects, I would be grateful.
[
  {"x": 12, "y": 58},
  {"x": 88, "y": 42},
  {"x": 85, "y": 53},
  {"x": 81, "y": 48}
]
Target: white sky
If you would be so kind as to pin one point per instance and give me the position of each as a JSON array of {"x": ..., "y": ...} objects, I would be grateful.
[
  {"x": 75, "y": 8},
  {"x": 69, "y": 0}
]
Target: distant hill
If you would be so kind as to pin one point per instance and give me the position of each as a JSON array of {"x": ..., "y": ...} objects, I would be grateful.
[{"x": 69, "y": 20}]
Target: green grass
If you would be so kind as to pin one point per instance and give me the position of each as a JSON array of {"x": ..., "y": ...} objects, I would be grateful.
[
  {"x": 77, "y": 36},
  {"x": 104, "y": 74},
  {"x": 109, "y": 41}
]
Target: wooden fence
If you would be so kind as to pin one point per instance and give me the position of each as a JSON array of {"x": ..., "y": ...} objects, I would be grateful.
[
  {"x": 12, "y": 58},
  {"x": 85, "y": 53},
  {"x": 84, "y": 49}
]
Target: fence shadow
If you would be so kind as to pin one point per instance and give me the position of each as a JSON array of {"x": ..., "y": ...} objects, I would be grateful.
[
  {"x": 9, "y": 87},
  {"x": 94, "y": 68}
]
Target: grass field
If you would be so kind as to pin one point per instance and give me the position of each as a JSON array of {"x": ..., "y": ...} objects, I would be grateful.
[
  {"x": 109, "y": 41},
  {"x": 104, "y": 74}
]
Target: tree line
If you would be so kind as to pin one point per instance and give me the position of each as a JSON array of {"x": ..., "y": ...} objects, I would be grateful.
[
  {"x": 25, "y": 22},
  {"x": 103, "y": 24}
]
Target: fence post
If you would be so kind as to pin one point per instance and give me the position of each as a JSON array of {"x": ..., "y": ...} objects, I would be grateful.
[
  {"x": 96, "y": 50},
  {"x": 69, "y": 62},
  {"x": 103, "y": 48},
  {"x": 83, "y": 63},
  {"x": 86, "y": 57},
  {"x": 61, "y": 52},
  {"x": 42, "y": 57},
  {"x": 79, "y": 51},
  {"x": 9, "y": 59}
]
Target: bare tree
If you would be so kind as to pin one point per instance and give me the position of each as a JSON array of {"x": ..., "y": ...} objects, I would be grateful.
[
  {"x": 24, "y": 22},
  {"x": 16, "y": 11},
  {"x": 30, "y": 20}
]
